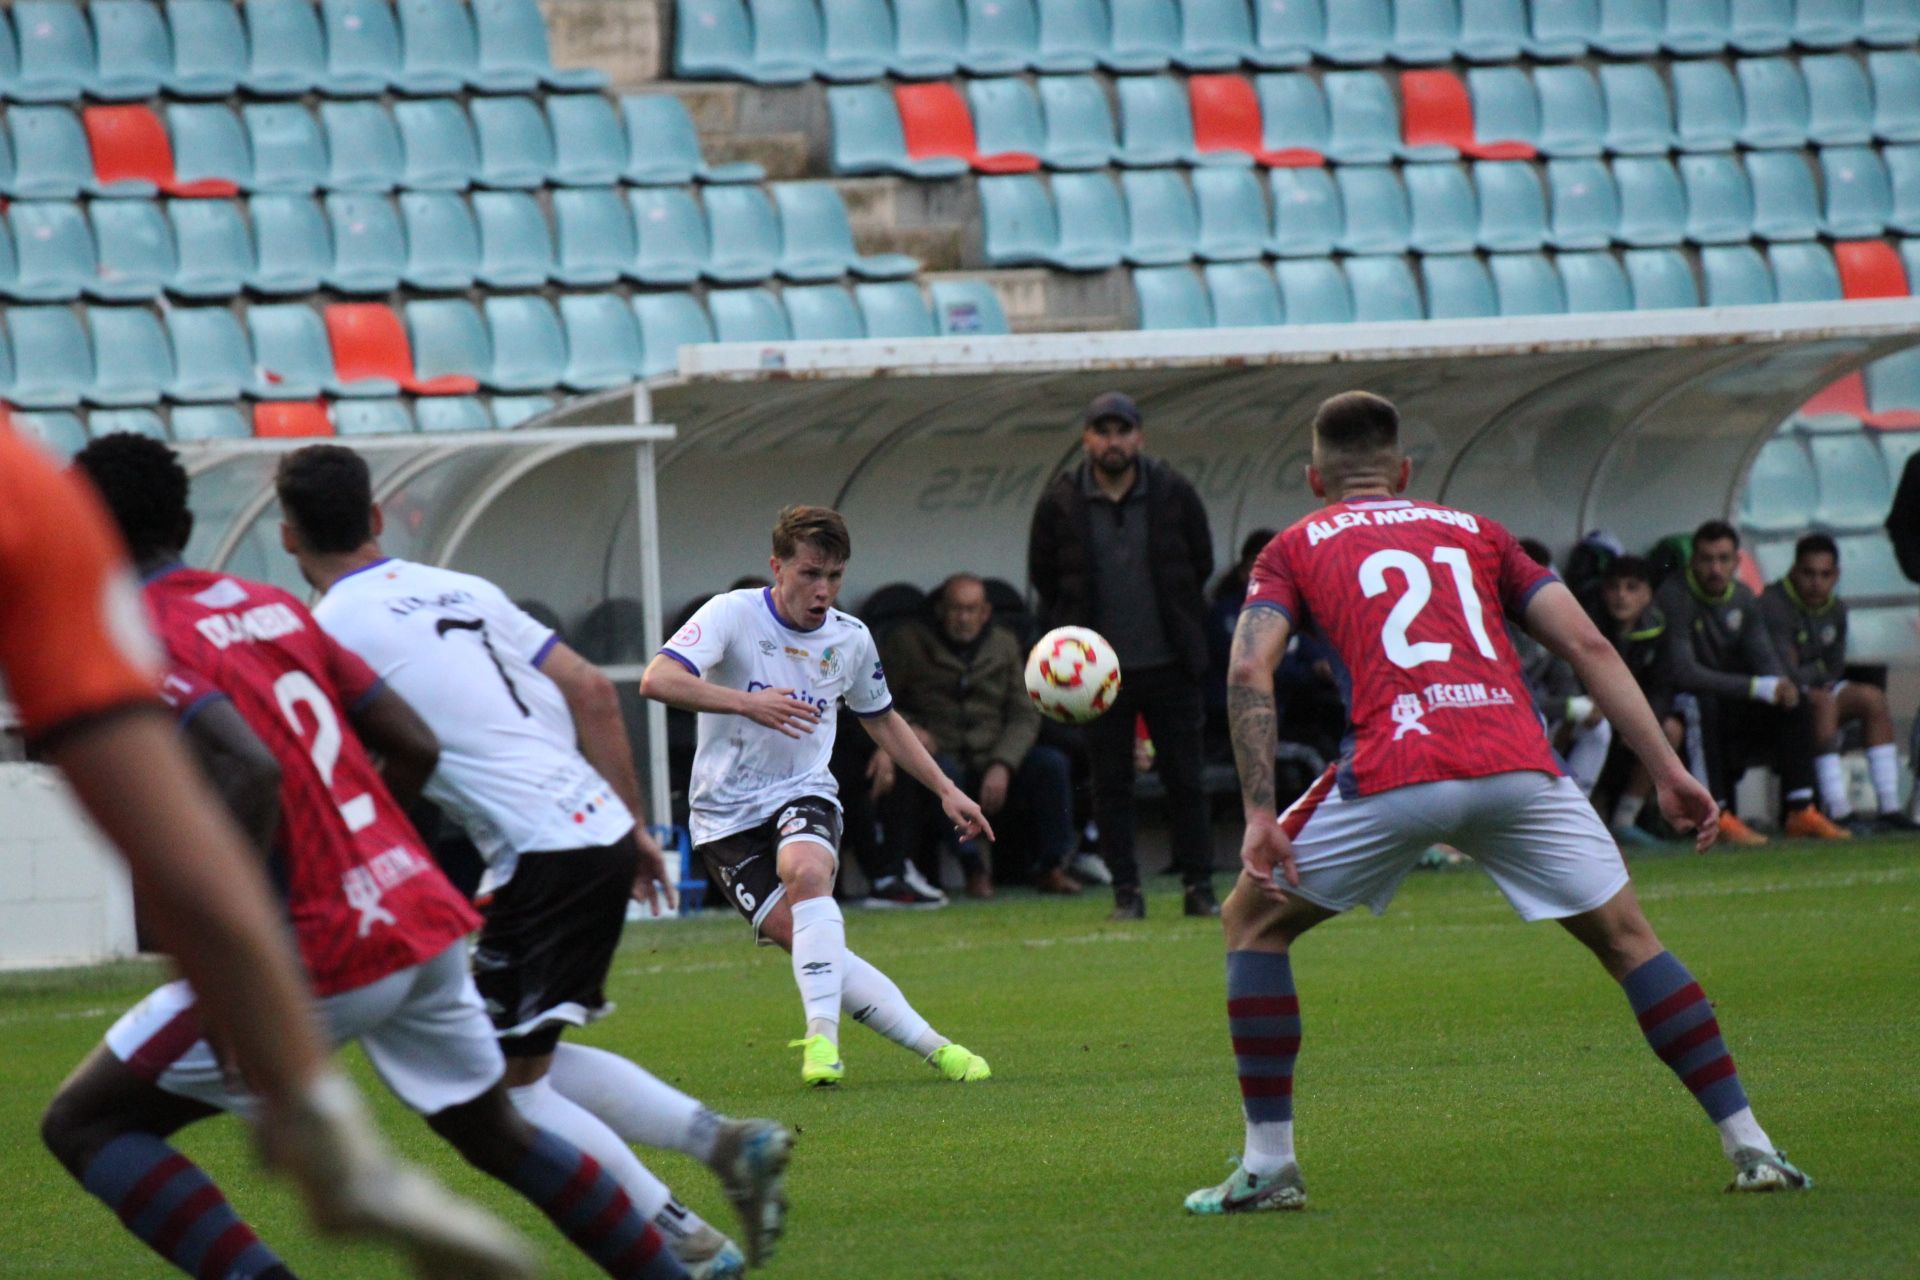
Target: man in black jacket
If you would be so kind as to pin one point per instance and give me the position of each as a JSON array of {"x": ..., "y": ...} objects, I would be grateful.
[{"x": 1120, "y": 544}]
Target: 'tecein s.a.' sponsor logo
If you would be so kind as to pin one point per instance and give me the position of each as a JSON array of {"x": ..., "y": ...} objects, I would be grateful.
[{"x": 1446, "y": 697}]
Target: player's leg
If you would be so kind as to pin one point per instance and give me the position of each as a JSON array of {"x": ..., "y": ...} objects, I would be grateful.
[
  {"x": 1866, "y": 705},
  {"x": 1176, "y": 718},
  {"x": 1587, "y": 754},
  {"x": 1823, "y": 711},
  {"x": 1040, "y": 803},
  {"x": 1791, "y": 735},
  {"x": 818, "y": 947},
  {"x": 1625, "y": 823}
]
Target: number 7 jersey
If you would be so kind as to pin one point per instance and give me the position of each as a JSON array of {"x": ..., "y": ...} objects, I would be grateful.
[{"x": 1411, "y": 596}]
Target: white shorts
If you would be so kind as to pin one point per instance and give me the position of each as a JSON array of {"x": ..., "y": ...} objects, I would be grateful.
[
  {"x": 424, "y": 1029},
  {"x": 1536, "y": 835}
]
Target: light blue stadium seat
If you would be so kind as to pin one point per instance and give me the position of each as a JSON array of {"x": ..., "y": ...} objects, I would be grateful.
[
  {"x": 1910, "y": 258},
  {"x": 1706, "y": 106},
  {"x": 1773, "y": 96},
  {"x": 1593, "y": 282},
  {"x": 712, "y": 39},
  {"x": 369, "y": 249},
  {"x": 208, "y": 142},
  {"x": 372, "y": 418},
  {"x": 856, "y": 39},
  {"x": 664, "y": 150},
  {"x": 1163, "y": 224},
  {"x": 1572, "y": 113},
  {"x": 603, "y": 342},
  {"x": 1145, "y": 35},
  {"x": 60, "y": 433},
  {"x": 516, "y": 149},
  {"x": 51, "y": 159},
  {"x": 1445, "y": 214},
  {"x": 593, "y": 236},
  {"x": 1286, "y": 32},
  {"x": 9, "y": 267},
  {"x": 288, "y": 152},
  {"x": 53, "y": 251},
  {"x": 1314, "y": 291},
  {"x": 1375, "y": 204},
  {"x": 1896, "y": 95},
  {"x": 1513, "y": 205},
  {"x": 1363, "y": 120},
  {"x": 1696, "y": 27},
  {"x": 1215, "y": 35},
  {"x": 867, "y": 137},
  {"x": 1504, "y": 104},
  {"x": 1003, "y": 37},
  {"x": 513, "y": 411},
  {"x": 1156, "y": 125},
  {"x": 213, "y": 248},
  {"x": 293, "y": 250},
  {"x": 1092, "y": 221},
  {"x": 1803, "y": 272},
  {"x": 1859, "y": 194},
  {"x": 512, "y": 39},
  {"x": 672, "y": 235},
  {"x": 748, "y": 315},
  {"x": 1760, "y": 26},
  {"x": 209, "y": 48},
  {"x": 1233, "y": 214},
  {"x": 139, "y": 422},
  {"x": 1780, "y": 495},
  {"x": 55, "y": 51},
  {"x": 1457, "y": 287},
  {"x": 1639, "y": 116},
  {"x": 1735, "y": 276},
  {"x": 1073, "y": 35},
  {"x": 1357, "y": 33},
  {"x": 363, "y": 146},
  {"x": 1171, "y": 298},
  {"x": 1492, "y": 30},
  {"x": 438, "y": 49},
  {"x": 1839, "y": 100},
  {"x": 1006, "y": 116},
  {"x": 1425, "y": 31},
  {"x": 1903, "y": 174},
  {"x": 1653, "y": 206},
  {"x": 287, "y": 50},
  {"x": 966, "y": 308},
  {"x": 1562, "y": 28},
  {"x": 1293, "y": 112},
  {"x": 894, "y": 309},
  {"x": 439, "y": 414},
  {"x": 529, "y": 349},
  {"x": 437, "y": 145},
  {"x": 291, "y": 358},
  {"x": 1873, "y": 570},
  {"x": 1784, "y": 204},
  {"x": 1851, "y": 476},
  {"x": 132, "y": 51},
  {"x": 1893, "y": 23},
  {"x": 1660, "y": 280},
  {"x": 1383, "y": 289},
  {"x": 743, "y": 235},
  {"x": 928, "y": 36},
  {"x": 1893, "y": 383},
  {"x": 816, "y": 237},
  {"x": 1584, "y": 205},
  {"x": 1243, "y": 294},
  {"x": 822, "y": 313},
  {"x": 589, "y": 146},
  {"x": 448, "y": 337},
  {"x": 1631, "y": 28},
  {"x": 211, "y": 360},
  {"x": 442, "y": 239},
  {"x": 1898, "y": 447},
  {"x": 1525, "y": 284},
  {"x": 1719, "y": 199},
  {"x": 1307, "y": 218},
  {"x": 1825, "y": 24},
  {"x": 788, "y": 44},
  {"x": 363, "y": 47},
  {"x": 1018, "y": 224},
  {"x": 135, "y": 249}
]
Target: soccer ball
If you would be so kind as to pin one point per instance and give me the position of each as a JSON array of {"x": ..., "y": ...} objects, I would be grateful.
[{"x": 1072, "y": 675}]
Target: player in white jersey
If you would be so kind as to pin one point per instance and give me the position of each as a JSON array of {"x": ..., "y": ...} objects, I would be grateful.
[
  {"x": 765, "y": 668},
  {"x": 535, "y": 765}
]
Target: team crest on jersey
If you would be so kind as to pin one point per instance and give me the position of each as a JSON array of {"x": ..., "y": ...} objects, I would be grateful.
[
  {"x": 1733, "y": 619},
  {"x": 688, "y": 635},
  {"x": 830, "y": 663},
  {"x": 1827, "y": 634},
  {"x": 1407, "y": 712}
]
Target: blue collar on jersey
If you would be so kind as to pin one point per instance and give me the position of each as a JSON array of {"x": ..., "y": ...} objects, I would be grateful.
[
  {"x": 766, "y": 593},
  {"x": 161, "y": 571},
  {"x": 371, "y": 564}
]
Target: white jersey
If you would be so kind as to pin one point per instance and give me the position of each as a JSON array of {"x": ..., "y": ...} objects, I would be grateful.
[
  {"x": 742, "y": 771},
  {"x": 468, "y": 660}
]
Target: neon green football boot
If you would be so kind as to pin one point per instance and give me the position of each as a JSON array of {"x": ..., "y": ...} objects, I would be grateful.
[
  {"x": 959, "y": 1064},
  {"x": 820, "y": 1064}
]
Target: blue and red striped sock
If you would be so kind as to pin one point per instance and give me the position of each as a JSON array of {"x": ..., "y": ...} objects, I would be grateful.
[
  {"x": 592, "y": 1211},
  {"x": 1263, "y": 1015},
  {"x": 1680, "y": 1026},
  {"x": 170, "y": 1203}
]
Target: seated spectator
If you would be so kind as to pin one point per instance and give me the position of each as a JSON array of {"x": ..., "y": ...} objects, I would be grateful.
[
  {"x": 1580, "y": 733},
  {"x": 1718, "y": 651},
  {"x": 1630, "y": 618},
  {"x": 1808, "y": 625},
  {"x": 960, "y": 683}
]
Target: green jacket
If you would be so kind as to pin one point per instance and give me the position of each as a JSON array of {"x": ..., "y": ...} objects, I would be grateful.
[{"x": 977, "y": 710}]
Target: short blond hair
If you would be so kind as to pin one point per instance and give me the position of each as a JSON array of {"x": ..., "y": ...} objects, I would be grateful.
[{"x": 821, "y": 528}]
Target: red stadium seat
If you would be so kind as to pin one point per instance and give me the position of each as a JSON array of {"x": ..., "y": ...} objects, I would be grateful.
[
  {"x": 130, "y": 144},
  {"x": 1870, "y": 269},
  {"x": 1846, "y": 397},
  {"x": 274, "y": 419},
  {"x": 935, "y": 122},
  {"x": 369, "y": 342},
  {"x": 1748, "y": 573},
  {"x": 1226, "y": 117},
  {"x": 1436, "y": 111}
]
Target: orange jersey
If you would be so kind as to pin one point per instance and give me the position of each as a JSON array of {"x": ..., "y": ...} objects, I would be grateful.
[{"x": 74, "y": 641}]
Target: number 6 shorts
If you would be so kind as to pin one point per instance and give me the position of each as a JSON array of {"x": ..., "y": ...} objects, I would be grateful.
[{"x": 746, "y": 864}]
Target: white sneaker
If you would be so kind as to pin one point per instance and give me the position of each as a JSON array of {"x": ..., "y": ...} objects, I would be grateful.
[
  {"x": 919, "y": 884},
  {"x": 1090, "y": 868}
]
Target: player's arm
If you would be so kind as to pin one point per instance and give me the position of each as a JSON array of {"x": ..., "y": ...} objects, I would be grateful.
[
  {"x": 390, "y": 728},
  {"x": 668, "y": 680},
  {"x": 1554, "y": 617},
  {"x": 242, "y": 770},
  {"x": 893, "y": 735},
  {"x": 1259, "y": 641}
]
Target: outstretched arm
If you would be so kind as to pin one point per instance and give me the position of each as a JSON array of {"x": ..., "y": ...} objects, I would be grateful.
[
  {"x": 1259, "y": 640},
  {"x": 666, "y": 680},
  {"x": 897, "y": 738}
]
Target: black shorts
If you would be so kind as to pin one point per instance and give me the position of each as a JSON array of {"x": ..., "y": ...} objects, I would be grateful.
[
  {"x": 746, "y": 864},
  {"x": 548, "y": 941}
]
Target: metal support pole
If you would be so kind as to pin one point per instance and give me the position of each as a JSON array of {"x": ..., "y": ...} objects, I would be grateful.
[{"x": 647, "y": 512}]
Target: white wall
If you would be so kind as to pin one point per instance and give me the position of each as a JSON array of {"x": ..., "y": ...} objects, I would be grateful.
[{"x": 64, "y": 895}]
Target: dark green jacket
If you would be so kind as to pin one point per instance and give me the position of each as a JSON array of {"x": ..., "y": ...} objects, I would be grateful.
[{"x": 976, "y": 709}]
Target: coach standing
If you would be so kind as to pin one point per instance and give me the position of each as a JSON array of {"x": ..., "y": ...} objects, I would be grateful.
[{"x": 1120, "y": 543}]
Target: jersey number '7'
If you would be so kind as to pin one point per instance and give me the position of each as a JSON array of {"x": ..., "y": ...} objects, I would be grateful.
[
  {"x": 479, "y": 627},
  {"x": 1393, "y": 634}
]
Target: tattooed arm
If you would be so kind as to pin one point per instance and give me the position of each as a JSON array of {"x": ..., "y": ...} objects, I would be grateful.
[{"x": 1259, "y": 638}]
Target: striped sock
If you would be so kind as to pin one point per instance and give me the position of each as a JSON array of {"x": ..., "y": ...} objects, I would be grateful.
[
  {"x": 170, "y": 1203},
  {"x": 1680, "y": 1026},
  {"x": 1263, "y": 1015},
  {"x": 592, "y": 1211}
]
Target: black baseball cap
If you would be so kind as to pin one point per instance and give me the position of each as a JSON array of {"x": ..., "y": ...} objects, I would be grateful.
[{"x": 1112, "y": 404}]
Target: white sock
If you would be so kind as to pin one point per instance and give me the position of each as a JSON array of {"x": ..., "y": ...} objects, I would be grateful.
[
  {"x": 1588, "y": 755},
  {"x": 820, "y": 963},
  {"x": 1741, "y": 1130},
  {"x": 1626, "y": 811},
  {"x": 1883, "y": 764},
  {"x": 1833, "y": 785},
  {"x": 870, "y": 997},
  {"x": 545, "y": 1109},
  {"x": 1269, "y": 1147},
  {"x": 632, "y": 1101}
]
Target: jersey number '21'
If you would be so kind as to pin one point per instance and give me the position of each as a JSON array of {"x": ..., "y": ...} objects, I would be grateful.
[
  {"x": 295, "y": 690},
  {"x": 1393, "y": 635}
]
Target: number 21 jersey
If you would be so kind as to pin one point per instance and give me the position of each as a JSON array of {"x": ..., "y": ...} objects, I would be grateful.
[{"x": 1411, "y": 597}]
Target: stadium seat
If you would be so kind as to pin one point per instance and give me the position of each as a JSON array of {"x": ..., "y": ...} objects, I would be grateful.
[
  {"x": 1893, "y": 396},
  {"x": 1072, "y": 35},
  {"x": 1314, "y": 291},
  {"x": 9, "y": 269},
  {"x": 895, "y": 309},
  {"x": 287, "y": 50},
  {"x": 53, "y": 251},
  {"x": 132, "y": 51},
  {"x": 1903, "y": 175},
  {"x": 1719, "y": 199},
  {"x": 1593, "y": 282},
  {"x": 928, "y": 37},
  {"x": 1735, "y": 276},
  {"x": 1584, "y": 206},
  {"x": 54, "y": 50},
  {"x": 1293, "y": 113},
  {"x": 1425, "y": 31},
  {"x": 1872, "y": 570},
  {"x": 967, "y": 308},
  {"x": 371, "y": 350},
  {"x": 1512, "y": 204},
  {"x": 436, "y": 145},
  {"x": 529, "y": 349},
  {"x": 132, "y": 156},
  {"x": 856, "y": 39},
  {"x": 290, "y": 354},
  {"x": 134, "y": 247},
  {"x": 1457, "y": 287},
  {"x": 293, "y": 251},
  {"x": 664, "y": 150},
  {"x": 1639, "y": 116},
  {"x": 1803, "y": 273},
  {"x": 1226, "y": 122},
  {"x": 516, "y": 149},
  {"x": 1383, "y": 289},
  {"x": 209, "y": 48},
  {"x": 1630, "y": 28},
  {"x": 512, "y": 40},
  {"x": 1779, "y": 496},
  {"x": 1896, "y": 95},
  {"x": 1171, "y": 298},
  {"x": 1492, "y": 30},
  {"x": 712, "y": 40},
  {"x": 208, "y": 143},
  {"x": 816, "y": 238},
  {"x": 1307, "y": 219},
  {"x": 1859, "y": 194},
  {"x": 210, "y": 356},
  {"x": 789, "y": 45},
  {"x": 452, "y": 413},
  {"x": 1773, "y": 96},
  {"x": 590, "y": 147},
  {"x": 1357, "y": 32},
  {"x": 1696, "y": 27},
  {"x": 1706, "y": 106},
  {"x": 1144, "y": 35},
  {"x": 1215, "y": 35},
  {"x": 743, "y": 235},
  {"x": 822, "y": 313},
  {"x": 213, "y": 248},
  {"x": 448, "y": 339},
  {"x": 363, "y": 146},
  {"x": 1018, "y": 224},
  {"x": 1363, "y": 122},
  {"x": 1851, "y": 478},
  {"x": 1653, "y": 207},
  {"x": 513, "y": 411},
  {"x": 60, "y": 433},
  {"x": 371, "y": 418},
  {"x": 1445, "y": 216},
  {"x": 1377, "y": 217},
  {"x": 1562, "y": 28},
  {"x": 1572, "y": 113},
  {"x": 1006, "y": 116},
  {"x": 1840, "y": 406},
  {"x": 292, "y": 419},
  {"x": 748, "y": 315},
  {"x": 363, "y": 47},
  {"x": 1839, "y": 100},
  {"x": 594, "y": 241},
  {"x": 288, "y": 153},
  {"x": 1156, "y": 127},
  {"x": 442, "y": 241},
  {"x": 1232, "y": 214},
  {"x": 603, "y": 342},
  {"x": 438, "y": 49},
  {"x": 1163, "y": 223},
  {"x": 1826, "y": 24},
  {"x": 139, "y": 422},
  {"x": 1660, "y": 280},
  {"x": 1078, "y": 123},
  {"x": 1285, "y": 33},
  {"x": 1439, "y": 123},
  {"x": 1785, "y": 206},
  {"x": 936, "y": 126},
  {"x": 1505, "y": 107},
  {"x": 1002, "y": 37},
  {"x": 369, "y": 250},
  {"x": 1243, "y": 295},
  {"x": 672, "y": 235},
  {"x": 1525, "y": 284},
  {"x": 1889, "y": 22},
  {"x": 516, "y": 248},
  {"x": 1092, "y": 222},
  {"x": 50, "y": 158},
  {"x": 1870, "y": 269}
]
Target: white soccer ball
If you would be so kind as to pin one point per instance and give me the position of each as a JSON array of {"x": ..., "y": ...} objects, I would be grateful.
[{"x": 1073, "y": 675}]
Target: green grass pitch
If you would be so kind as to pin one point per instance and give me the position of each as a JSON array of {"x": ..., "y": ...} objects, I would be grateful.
[{"x": 1473, "y": 1097}]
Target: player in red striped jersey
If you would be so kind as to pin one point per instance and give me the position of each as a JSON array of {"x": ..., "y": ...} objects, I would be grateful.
[{"x": 1446, "y": 747}]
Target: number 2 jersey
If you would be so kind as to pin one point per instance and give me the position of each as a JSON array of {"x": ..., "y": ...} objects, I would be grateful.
[
  {"x": 1410, "y": 597},
  {"x": 364, "y": 898}
]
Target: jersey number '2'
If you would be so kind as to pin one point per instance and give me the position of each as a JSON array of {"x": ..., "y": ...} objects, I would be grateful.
[
  {"x": 1393, "y": 635},
  {"x": 296, "y": 689}
]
